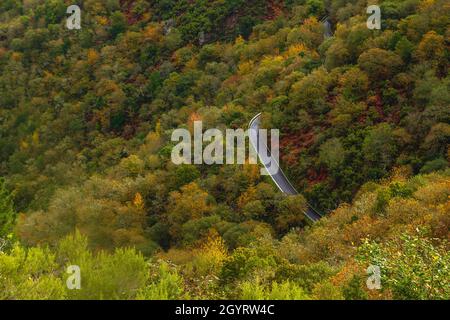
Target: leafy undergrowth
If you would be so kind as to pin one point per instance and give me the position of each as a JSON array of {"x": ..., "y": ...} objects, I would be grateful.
[{"x": 400, "y": 225}]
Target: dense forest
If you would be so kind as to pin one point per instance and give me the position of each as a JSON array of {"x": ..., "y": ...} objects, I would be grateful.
[{"x": 86, "y": 177}]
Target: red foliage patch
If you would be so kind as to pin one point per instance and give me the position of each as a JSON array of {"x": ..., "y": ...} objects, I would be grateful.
[
  {"x": 291, "y": 145},
  {"x": 275, "y": 9},
  {"x": 127, "y": 7},
  {"x": 378, "y": 104}
]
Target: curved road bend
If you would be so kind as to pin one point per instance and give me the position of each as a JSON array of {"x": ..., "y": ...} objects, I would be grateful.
[{"x": 279, "y": 177}]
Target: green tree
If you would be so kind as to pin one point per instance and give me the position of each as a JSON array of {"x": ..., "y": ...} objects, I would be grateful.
[
  {"x": 404, "y": 49},
  {"x": 310, "y": 92},
  {"x": 290, "y": 213},
  {"x": 354, "y": 84},
  {"x": 190, "y": 203},
  {"x": 379, "y": 64},
  {"x": 379, "y": 148},
  {"x": 167, "y": 285},
  {"x": 412, "y": 267},
  {"x": 118, "y": 23},
  {"x": 332, "y": 153},
  {"x": 432, "y": 47},
  {"x": 104, "y": 275},
  {"x": 30, "y": 274},
  {"x": 7, "y": 214},
  {"x": 283, "y": 291}
]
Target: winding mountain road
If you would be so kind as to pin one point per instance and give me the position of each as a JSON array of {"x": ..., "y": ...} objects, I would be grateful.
[{"x": 279, "y": 178}]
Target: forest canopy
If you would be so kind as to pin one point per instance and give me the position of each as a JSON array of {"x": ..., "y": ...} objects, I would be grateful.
[{"x": 86, "y": 118}]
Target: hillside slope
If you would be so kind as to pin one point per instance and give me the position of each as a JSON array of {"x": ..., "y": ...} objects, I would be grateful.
[{"x": 86, "y": 118}]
